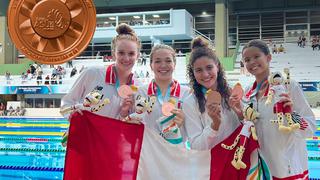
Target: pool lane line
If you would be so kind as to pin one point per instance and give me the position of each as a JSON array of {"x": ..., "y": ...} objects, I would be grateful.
[
  {"x": 33, "y": 129},
  {"x": 314, "y": 138},
  {"x": 36, "y": 122},
  {"x": 26, "y": 168},
  {"x": 31, "y": 133},
  {"x": 31, "y": 139},
  {"x": 65, "y": 125},
  {"x": 32, "y": 150}
]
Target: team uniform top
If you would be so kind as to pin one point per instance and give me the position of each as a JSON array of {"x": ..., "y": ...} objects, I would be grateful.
[
  {"x": 285, "y": 153},
  {"x": 98, "y": 76}
]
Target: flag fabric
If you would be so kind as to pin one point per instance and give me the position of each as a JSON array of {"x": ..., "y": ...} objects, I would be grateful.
[
  {"x": 108, "y": 149},
  {"x": 259, "y": 169}
]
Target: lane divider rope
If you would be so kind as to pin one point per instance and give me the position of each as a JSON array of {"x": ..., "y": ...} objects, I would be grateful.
[
  {"x": 28, "y": 168},
  {"x": 30, "y": 139},
  {"x": 32, "y": 150}
]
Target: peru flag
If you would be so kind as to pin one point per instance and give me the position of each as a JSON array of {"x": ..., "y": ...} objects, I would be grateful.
[{"x": 108, "y": 149}]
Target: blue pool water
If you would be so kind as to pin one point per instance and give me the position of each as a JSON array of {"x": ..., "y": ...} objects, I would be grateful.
[
  {"x": 28, "y": 152},
  {"x": 31, "y": 154}
]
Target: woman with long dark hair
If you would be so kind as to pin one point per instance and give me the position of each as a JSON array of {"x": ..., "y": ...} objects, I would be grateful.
[{"x": 207, "y": 124}]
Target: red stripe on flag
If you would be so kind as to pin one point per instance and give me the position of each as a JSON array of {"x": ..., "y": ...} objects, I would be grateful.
[
  {"x": 221, "y": 167},
  {"x": 303, "y": 124},
  {"x": 102, "y": 148}
]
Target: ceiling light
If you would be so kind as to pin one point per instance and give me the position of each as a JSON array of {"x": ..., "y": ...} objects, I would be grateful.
[
  {"x": 136, "y": 17},
  {"x": 156, "y": 15},
  {"x": 112, "y": 18}
]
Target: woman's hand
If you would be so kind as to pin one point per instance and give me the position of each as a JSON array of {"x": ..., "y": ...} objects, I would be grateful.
[
  {"x": 214, "y": 111},
  {"x": 285, "y": 98},
  {"x": 126, "y": 105},
  {"x": 179, "y": 118},
  {"x": 235, "y": 104}
]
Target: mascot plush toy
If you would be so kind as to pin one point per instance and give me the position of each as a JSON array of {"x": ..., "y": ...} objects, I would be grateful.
[
  {"x": 142, "y": 107},
  {"x": 276, "y": 88},
  {"x": 93, "y": 101},
  {"x": 250, "y": 116}
]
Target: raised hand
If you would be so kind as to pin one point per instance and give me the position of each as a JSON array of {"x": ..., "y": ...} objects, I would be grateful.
[{"x": 179, "y": 118}]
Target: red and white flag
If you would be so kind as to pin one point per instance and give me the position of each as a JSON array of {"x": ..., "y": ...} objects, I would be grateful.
[{"x": 108, "y": 149}]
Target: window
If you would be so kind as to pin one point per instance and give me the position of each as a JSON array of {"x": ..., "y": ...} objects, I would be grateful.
[
  {"x": 132, "y": 20},
  {"x": 157, "y": 19},
  {"x": 48, "y": 103},
  {"x": 29, "y": 103},
  {"x": 38, "y": 103},
  {"x": 106, "y": 22},
  {"x": 57, "y": 103}
]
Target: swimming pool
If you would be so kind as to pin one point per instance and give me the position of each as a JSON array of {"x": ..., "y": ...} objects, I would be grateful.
[{"x": 30, "y": 148}]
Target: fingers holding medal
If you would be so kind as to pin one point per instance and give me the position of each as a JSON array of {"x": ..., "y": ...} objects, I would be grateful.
[{"x": 213, "y": 107}]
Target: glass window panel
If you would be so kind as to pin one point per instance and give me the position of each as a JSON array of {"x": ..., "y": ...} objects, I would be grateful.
[
  {"x": 48, "y": 103},
  {"x": 106, "y": 22},
  {"x": 29, "y": 103},
  {"x": 38, "y": 103},
  {"x": 132, "y": 20},
  {"x": 296, "y": 27},
  {"x": 296, "y": 13},
  {"x": 296, "y": 20},
  {"x": 157, "y": 19},
  {"x": 57, "y": 103}
]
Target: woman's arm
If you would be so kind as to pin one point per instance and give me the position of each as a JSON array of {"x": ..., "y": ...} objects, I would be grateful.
[
  {"x": 198, "y": 129},
  {"x": 78, "y": 90},
  {"x": 302, "y": 107}
]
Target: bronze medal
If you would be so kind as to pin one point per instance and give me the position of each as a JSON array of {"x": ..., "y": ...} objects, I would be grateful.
[
  {"x": 237, "y": 91},
  {"x": 213, "y": 97},
  {"x": 166, "y": 108},
  {"x": 51, "y": 31},
  {"x": 125, "y": 91}
]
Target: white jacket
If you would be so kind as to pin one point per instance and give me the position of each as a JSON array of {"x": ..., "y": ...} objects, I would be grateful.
[
  {"x": 285, "y": 154},
  {"x": 198, "y": 126},
  {"x": 87, "y": 81},
  {"x": 151, "y": 118}
]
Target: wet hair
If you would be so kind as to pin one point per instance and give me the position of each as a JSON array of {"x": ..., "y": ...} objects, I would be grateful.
[
  {"x": 261, "y": 45},
  {"x": 125, "y": 32},
  {"x": 162, "y": 46},
  {"x": 201, "y": 48}
]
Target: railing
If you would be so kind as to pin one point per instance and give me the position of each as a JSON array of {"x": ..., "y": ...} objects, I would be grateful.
[
  {"x": 16, "y": 80},
  {"x": 198, "y": 33},
  {"x": 275, "y": 40},
  {"x": 136, "y": 19}
]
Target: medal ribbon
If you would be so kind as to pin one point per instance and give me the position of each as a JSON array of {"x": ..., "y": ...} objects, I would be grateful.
[
  {"x": 111, "y": 77},
  {"x": 172, "y": 91}
]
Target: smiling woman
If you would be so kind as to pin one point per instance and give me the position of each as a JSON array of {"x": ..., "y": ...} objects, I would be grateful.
[
  {"x": 166, "y": 91},
  {"x": 283, "y": 148},
  {"x": 209, "y": 123},
  {"x": 125, "y": 50}
]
